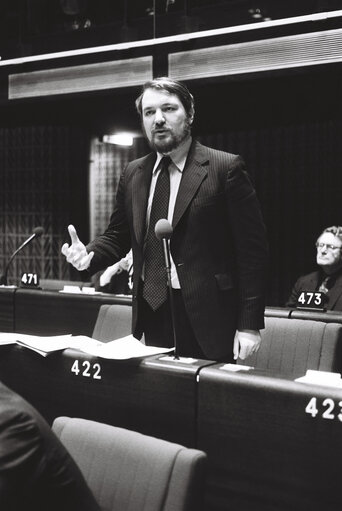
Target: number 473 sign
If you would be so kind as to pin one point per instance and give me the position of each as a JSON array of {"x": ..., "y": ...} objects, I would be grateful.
[{"x": 311, "y": 299}]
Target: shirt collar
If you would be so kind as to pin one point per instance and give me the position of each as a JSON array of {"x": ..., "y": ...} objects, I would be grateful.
[{"x": 178, "y": 156}]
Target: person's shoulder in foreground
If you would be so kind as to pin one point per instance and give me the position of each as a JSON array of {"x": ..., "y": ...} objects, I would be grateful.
[{"x": 36, "y": 471}]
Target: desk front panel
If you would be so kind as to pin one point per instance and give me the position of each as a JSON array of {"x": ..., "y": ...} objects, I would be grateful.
[
  {"x": 52, "y": 313},
  {"x": 7, "y": 309},
  {"x": 270, "y": 446},
  {"x": 149, "y": 395}
]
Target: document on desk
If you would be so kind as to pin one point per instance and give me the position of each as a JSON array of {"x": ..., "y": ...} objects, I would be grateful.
[
  {"x": 40, "y": 344},
  {"x": 119, "y": 349}
]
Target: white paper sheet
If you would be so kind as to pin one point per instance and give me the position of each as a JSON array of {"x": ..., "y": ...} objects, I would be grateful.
[
  {"x": 119, "y": 349},
  {"x": 324, "y": 378}
]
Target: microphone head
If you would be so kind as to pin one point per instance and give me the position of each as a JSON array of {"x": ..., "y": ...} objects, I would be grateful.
[
  {"x": 38, "y": 231},
  {"x": 163, "y": 229}
]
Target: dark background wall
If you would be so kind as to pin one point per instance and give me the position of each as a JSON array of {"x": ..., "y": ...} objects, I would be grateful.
[{"x": 286, "y": 124}]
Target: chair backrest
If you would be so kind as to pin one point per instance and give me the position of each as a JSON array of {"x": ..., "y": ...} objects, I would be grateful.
[
  {"x": 291, "y": 346},
  {"x": 113, "y": 322},
  {"x": 129, "y": 471}
]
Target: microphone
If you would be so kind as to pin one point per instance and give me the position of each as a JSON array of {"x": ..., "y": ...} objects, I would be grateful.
[
  {"x": 37, "y": 232},
  {"x": 163, "y": 231}
]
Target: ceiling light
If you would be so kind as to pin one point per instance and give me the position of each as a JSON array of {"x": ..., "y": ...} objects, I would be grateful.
[{"x": 125, "y": 139}]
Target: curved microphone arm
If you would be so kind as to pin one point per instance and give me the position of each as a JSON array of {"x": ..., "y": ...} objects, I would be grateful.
[{"x": 38, "y": 231}]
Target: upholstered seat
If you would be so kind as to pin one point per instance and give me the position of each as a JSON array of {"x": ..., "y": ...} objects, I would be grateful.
[
  {"x": 129, "y": 471},
  {"x": 292, "y": 346},
  {"x": 113, "y": 322}
]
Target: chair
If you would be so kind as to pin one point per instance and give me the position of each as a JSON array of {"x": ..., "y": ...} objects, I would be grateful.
[
  {"x": 113, "y": 322},
  {"x": 291, "y": 346},
  {"x": 129, "y": 471}
]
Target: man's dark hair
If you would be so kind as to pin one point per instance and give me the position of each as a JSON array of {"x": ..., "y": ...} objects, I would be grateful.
[{"x": 165, "y": 83}]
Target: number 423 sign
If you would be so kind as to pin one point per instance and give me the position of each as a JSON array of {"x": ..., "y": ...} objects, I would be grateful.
[{"x": 330, "y": 410}]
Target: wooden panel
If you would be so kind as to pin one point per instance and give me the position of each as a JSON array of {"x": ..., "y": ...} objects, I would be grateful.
[
  {"x": 250, "y": 57},
  {"x": 88, "y": 77}
]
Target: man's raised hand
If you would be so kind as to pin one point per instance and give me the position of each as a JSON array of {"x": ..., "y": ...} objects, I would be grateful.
[{"x": 76, "y": 254}]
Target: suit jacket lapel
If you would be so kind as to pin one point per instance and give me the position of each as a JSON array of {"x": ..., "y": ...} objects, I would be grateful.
[
  {"x": 193, "y": 174},
  {"x": 140, "y": 192}
]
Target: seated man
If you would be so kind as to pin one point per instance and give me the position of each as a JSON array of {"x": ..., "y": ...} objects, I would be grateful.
[
  {"x": 117, "y": 278},
  {"x": 36, "y": 471},
  {"x": 328, "y": 279}
]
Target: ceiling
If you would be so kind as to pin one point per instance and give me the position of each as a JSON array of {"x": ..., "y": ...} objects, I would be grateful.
[{"x": 30, "y": 27}]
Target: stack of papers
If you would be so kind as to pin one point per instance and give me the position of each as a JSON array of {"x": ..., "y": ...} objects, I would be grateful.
[{"x": 118, "y": 349}]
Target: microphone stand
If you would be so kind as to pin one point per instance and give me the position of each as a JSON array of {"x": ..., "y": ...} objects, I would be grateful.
[
  {"x": 38, "y": 231},
  {"x": 3, "y": 279},
  {"x": 166, "y": 250}
]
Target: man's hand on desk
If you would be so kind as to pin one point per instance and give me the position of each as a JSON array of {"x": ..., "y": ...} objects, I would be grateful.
[
  {"x": 76, "y": 254},
  {"x": 246, "y": 342}
]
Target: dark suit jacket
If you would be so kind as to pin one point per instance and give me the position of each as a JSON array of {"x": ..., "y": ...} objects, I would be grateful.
[
  {"x": 218, "y": 244},
  {"x": 36, "y": 472},
  {"x": 310, "y": 283}
]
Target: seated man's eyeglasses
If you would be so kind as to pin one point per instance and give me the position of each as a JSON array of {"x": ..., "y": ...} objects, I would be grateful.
[{"x": 320, "y": 246}]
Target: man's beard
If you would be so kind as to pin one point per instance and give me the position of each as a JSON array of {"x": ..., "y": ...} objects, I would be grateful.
[{"x": 171, "y": 142}]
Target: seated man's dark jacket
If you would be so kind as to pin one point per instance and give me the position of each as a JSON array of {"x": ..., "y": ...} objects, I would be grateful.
[
  {"x": 311, "y": 283},
  {"x": 36, "y": 471}
]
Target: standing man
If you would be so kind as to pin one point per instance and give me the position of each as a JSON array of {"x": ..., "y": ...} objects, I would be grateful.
[{"x": 218, "y": 246}]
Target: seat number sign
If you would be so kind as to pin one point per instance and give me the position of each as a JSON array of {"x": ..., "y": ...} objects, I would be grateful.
[
  {"x": 29, "y": 280},
  {"x": 328, "y": 409},
  {"x": 310, "y": 299}
]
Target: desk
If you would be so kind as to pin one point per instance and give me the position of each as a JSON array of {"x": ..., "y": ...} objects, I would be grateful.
[
  {"x": 7, "y": 309},
  {"x": 326, "y": 317},
  {"x": 149, "y": 395},
  {"x": 277, "y": 312},
  {"x": 52, "y": 313},
  {"x": 265, "y": 453}
]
